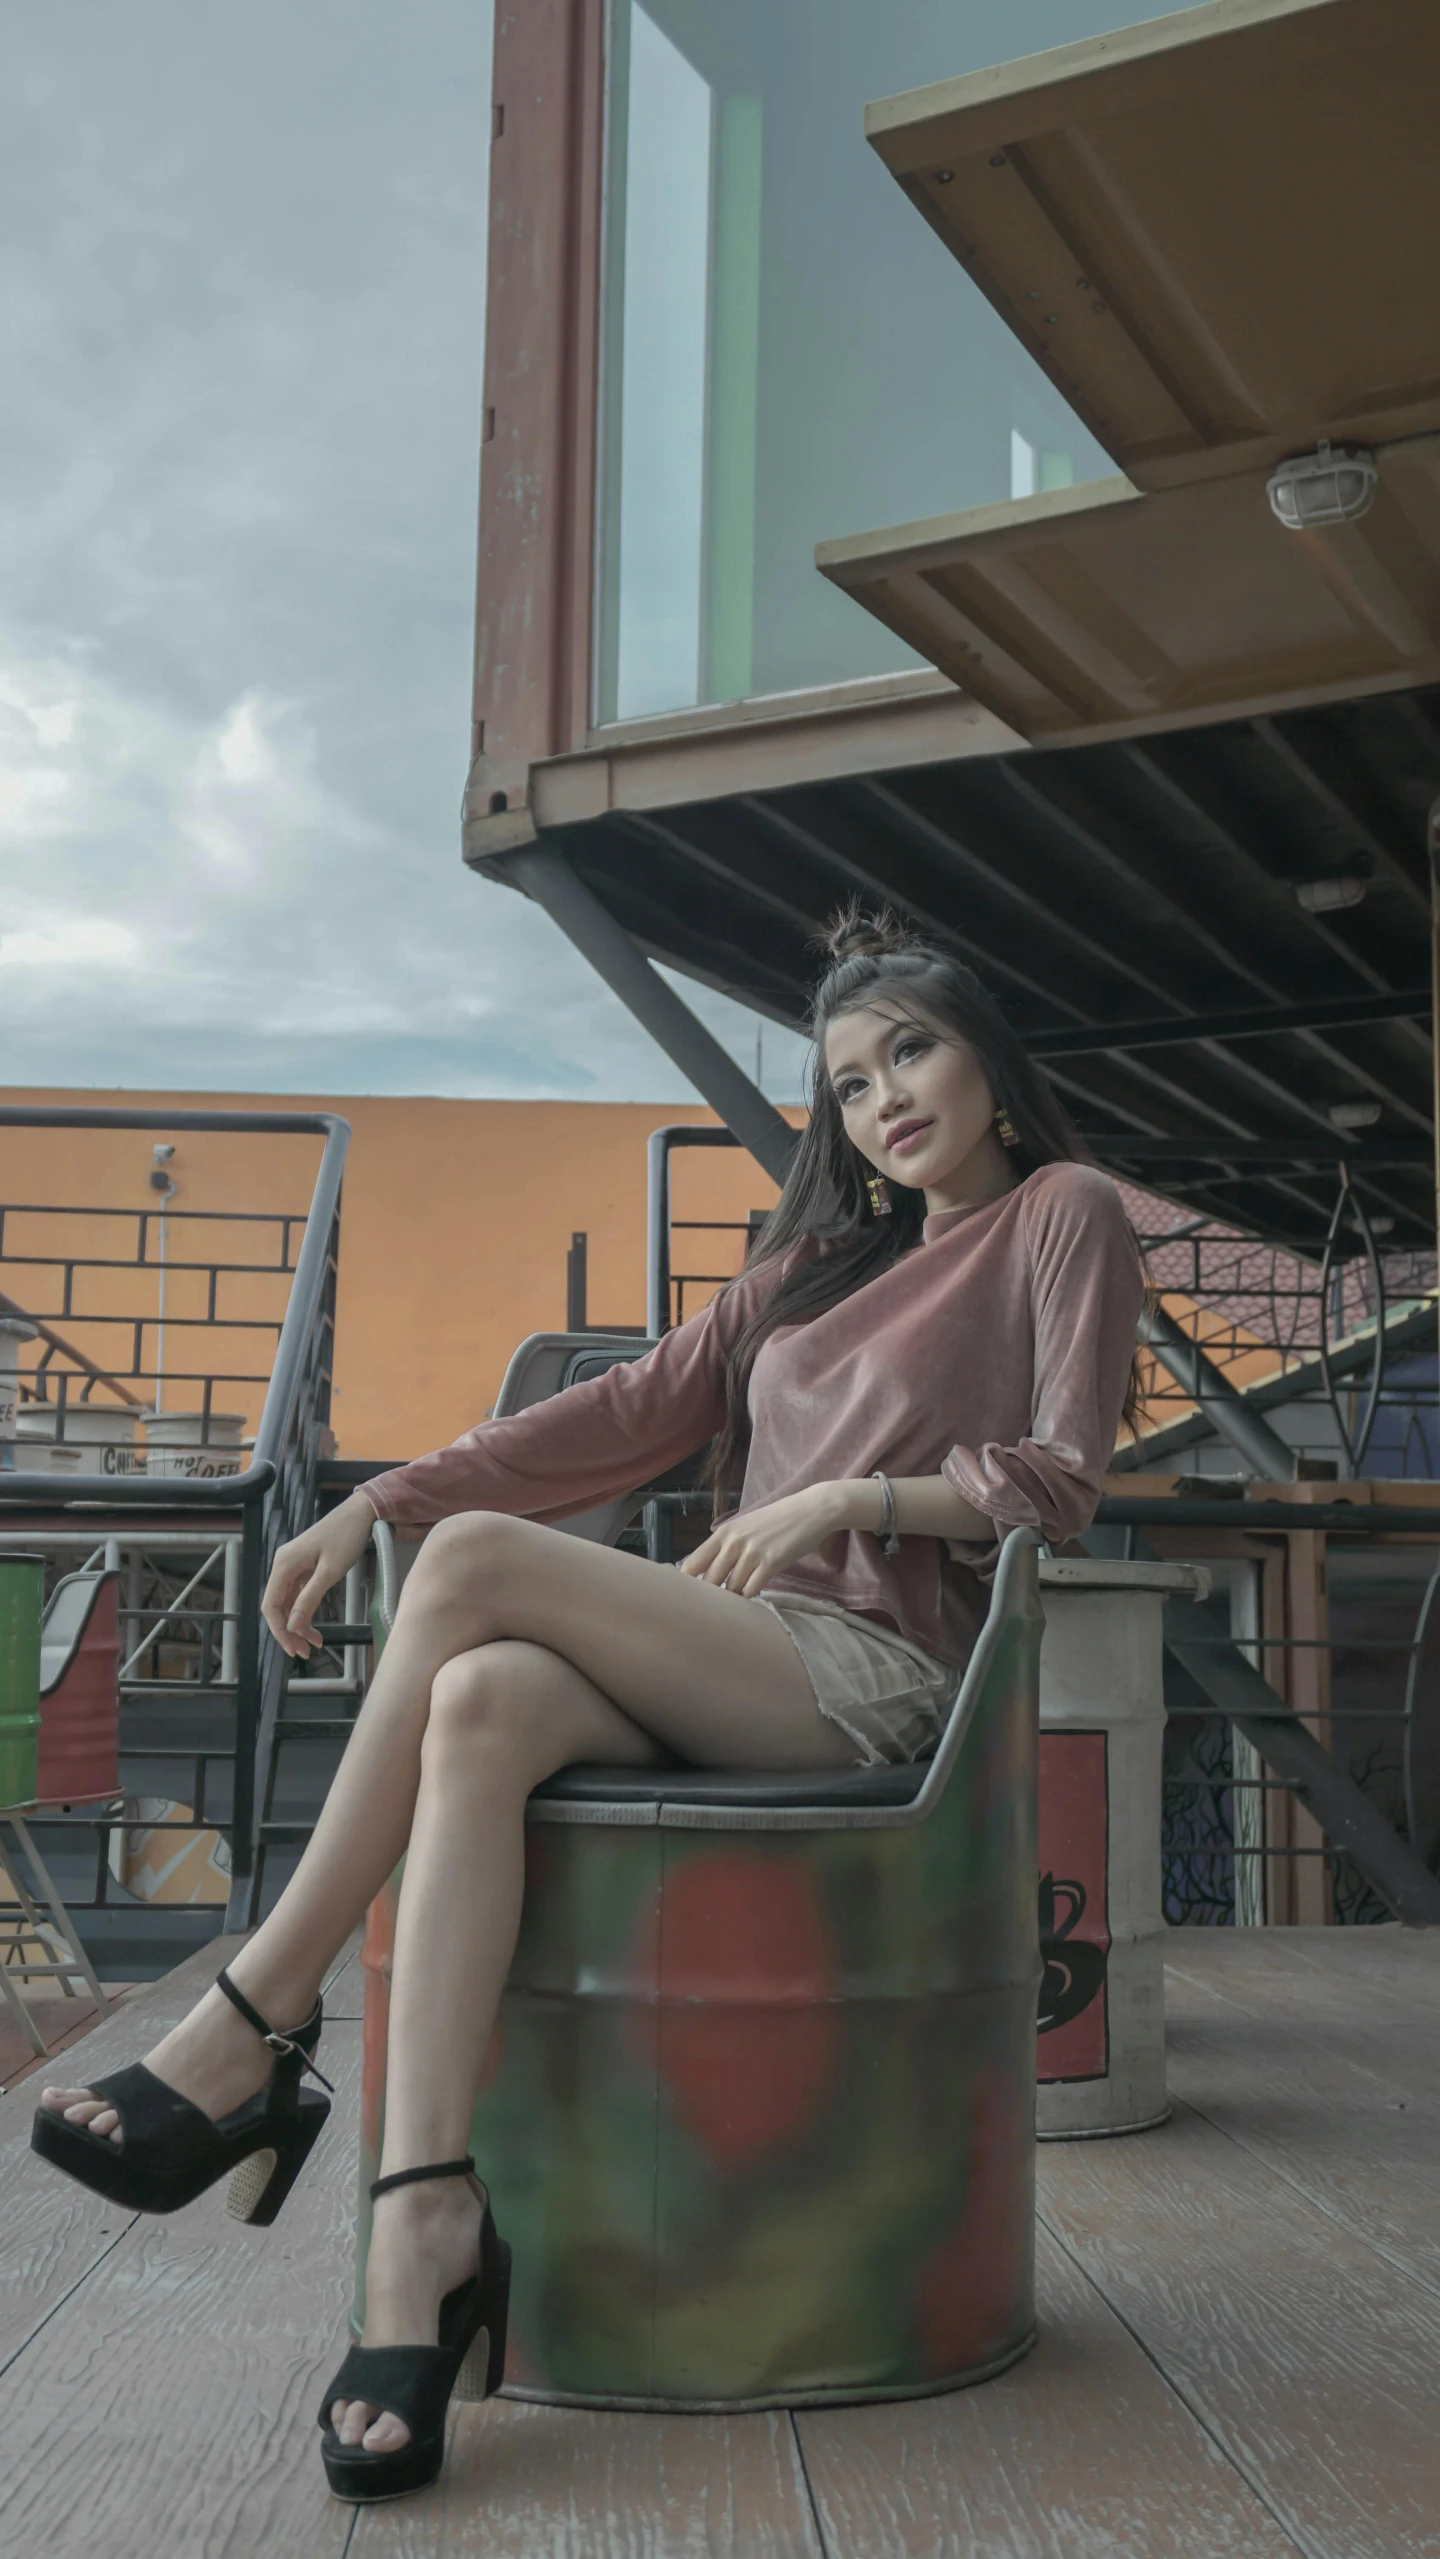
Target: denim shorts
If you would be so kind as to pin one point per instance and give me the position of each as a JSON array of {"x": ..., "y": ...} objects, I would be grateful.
[{"x": 892, "y": 1699}]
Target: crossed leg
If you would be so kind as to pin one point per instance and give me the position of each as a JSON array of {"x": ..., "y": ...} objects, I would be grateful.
[{"x": 515, "y": 1651}]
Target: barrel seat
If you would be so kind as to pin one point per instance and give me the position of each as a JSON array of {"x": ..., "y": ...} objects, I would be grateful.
[
  {"x": 59, "y": 1744},
  {"x": 758, "y": 2114},
  {"x": 80, "y": 1690}
]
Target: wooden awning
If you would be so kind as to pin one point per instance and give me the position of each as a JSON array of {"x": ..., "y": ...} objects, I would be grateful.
[
  {"x": 1217, "y": 235},
  {"x": 1216, "y": 232},
  {"x": 1096, "y": 611}
]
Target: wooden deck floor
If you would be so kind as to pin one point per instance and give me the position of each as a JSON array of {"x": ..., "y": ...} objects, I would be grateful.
[{"x": 1240, "y": 2338}]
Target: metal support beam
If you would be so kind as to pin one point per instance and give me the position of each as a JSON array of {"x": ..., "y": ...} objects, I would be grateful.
[
  {"x": 1390, "y": 1150},
  {"x": 1337, "y": 1013},
  {"x": 1233, "y": 1418},
  {"x": 547, "y": 877},
  {"x": 1432, "y": 846},
  {"x": 1197, "y": 1642}
]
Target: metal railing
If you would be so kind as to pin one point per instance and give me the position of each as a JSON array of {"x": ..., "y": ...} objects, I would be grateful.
[
  {"x": 664, "y": 1286},
  {"x": 1332, "y": 1337},
  {"x": 272, "y": 1497},
  {"x": 1304, "y": 1707},
  {"x": 63, "y": 1364},
  {"x": 1241, "y": 1745}
]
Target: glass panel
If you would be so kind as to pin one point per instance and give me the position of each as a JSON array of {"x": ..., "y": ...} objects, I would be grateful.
[
  {"x": 790, "y": 353},
  {"x": 663, "y": 374}
]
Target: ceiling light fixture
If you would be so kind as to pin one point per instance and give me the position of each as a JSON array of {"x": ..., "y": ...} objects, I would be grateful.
[
  {"x": 1322, "y": 897},
  {"x": 1347, "y": 1115},
  {"x": 1333, "y": 485}
]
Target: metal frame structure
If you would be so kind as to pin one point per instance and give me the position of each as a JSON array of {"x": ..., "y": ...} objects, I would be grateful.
[
  {"x": 1210, "y": 1673},
  {"x": 274, "y": 1495},
  {"x": 1085, "y": 885},
  {"x": 1208, "y": 933}
]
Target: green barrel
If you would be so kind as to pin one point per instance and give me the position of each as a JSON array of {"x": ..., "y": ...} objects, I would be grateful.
[
  {"x": 22, "y": 1603},
  {"x": 759, "y": 2113}
]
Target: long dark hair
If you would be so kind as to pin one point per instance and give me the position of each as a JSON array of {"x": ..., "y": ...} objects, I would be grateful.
[{"x": 876, "y": 960}]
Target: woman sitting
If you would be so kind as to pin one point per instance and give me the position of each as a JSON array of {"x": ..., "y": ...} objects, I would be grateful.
[{"x": 932, "y": 1343}]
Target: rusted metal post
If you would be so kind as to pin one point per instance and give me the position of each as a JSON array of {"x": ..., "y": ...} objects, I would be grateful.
[
  {"x": 1432, "y": 834},
  {"x": 538, "y": 456}
]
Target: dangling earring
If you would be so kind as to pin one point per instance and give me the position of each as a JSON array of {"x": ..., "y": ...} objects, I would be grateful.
[
  {"x": 879, "y": 1195},
  {"x": 1005, "y": 1128}
]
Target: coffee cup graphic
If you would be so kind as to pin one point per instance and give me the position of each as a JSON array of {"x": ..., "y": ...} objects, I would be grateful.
[{"x": 1074, "y": 1968}]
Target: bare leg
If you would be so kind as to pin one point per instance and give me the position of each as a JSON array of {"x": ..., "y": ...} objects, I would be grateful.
[
  {"x": 212, "y": 2057},
  {"x": 713, "y": 1676},
  {"x": 502, "y": 1718}
]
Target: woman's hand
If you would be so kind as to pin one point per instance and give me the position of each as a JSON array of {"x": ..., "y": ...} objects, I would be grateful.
[
  {"x": 744, "y": 1554},
  {"x": 311, "y": 1564}
]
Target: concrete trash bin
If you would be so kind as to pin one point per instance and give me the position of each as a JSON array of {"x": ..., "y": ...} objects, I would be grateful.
[{"x": 1100, "y": 2057}]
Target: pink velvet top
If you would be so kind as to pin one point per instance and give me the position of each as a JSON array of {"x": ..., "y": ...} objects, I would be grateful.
[{"x": 995, "y": 1354}]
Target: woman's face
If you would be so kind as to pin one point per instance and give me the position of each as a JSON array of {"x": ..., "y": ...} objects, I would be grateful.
[{"x": 917, "y": 1105}]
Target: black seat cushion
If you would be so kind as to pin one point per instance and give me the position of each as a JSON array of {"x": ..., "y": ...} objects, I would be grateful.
[{"x": 800, "y": 1788}]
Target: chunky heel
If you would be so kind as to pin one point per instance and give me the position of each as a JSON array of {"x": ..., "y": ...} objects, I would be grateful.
[
  {"x": 483, "y": 2370},
  {"x": 417, "y": 2383},
  {"x": 171, "y": 2151},
  {"x": 261, "y": 2183}
]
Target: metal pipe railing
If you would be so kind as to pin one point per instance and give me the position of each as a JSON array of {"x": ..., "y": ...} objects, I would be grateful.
[
  {"x": 1169, "y": 1510},
  {"x": 659, "y": 1149},
  {"x": 277, "y": 1486},
  {"x": 32, "y": 1487}
]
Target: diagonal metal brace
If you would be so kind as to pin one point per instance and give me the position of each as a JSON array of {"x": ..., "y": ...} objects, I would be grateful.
[
  {"x": 545, "y": 875},
  {"x": 1201, "y": 1655},
  {"x": 1228, "y": 1412}
]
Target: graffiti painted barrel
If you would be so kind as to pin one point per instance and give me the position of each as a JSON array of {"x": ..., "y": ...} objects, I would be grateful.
[
  {"x": 1100, "y": 2058},
  {"x": 759, "y": 2114},
  {"x": 22, "y": 1593}
]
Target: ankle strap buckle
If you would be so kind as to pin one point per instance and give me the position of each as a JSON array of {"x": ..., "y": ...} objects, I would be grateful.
[{"x": 284, "y": 2046}]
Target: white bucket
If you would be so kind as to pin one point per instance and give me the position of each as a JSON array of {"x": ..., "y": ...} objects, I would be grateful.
[
  {"x": 13, "y": 1331},
  {"x": 182, "y": 1444},
  {"x": 102, "y": 1435},
  {"x": 1100, "y": 2057}
]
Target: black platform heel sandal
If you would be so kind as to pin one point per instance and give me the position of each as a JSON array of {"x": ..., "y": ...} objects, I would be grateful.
[
  {"x": 172, "y": 2151},
  {"x": 417, "y": 2383}
]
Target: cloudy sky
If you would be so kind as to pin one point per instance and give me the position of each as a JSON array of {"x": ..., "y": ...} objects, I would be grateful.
[{"x": 242, "y": 255}]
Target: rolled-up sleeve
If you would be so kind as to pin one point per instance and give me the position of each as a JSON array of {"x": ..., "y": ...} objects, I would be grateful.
[
  {"x": 593, "y": 1441},
  {"x": 1087, "y": 1290}
]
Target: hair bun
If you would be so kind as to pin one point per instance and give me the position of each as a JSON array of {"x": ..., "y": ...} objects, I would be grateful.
[{"x": 856, "y": 933}]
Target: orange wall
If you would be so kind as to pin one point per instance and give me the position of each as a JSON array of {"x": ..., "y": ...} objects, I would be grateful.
[{"x": 456, "y": 1220}]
